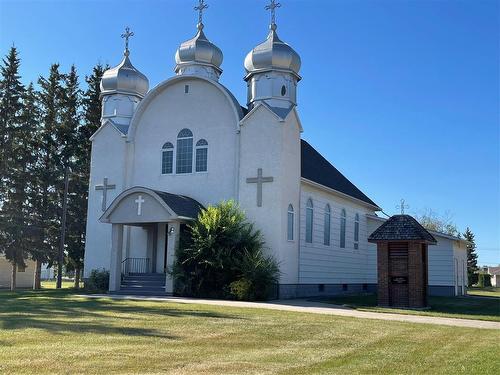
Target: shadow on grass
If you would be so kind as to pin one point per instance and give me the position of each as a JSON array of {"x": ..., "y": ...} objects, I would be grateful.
[
  {"x": 476, "y": 307},
  {"x": 58, "y": 311}
]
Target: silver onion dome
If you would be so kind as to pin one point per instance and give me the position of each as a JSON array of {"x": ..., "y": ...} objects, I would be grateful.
[
  {"x": 273, "y": 54},
  {"x": 124, "y": 78},
  {"x": 198, "y": 50}
]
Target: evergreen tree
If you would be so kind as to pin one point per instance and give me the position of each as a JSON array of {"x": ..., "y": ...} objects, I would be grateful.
[
  {"x": 46, "y": 172},
  {"x": 16, "y": 159},
  {"x": 11, "y": 90},
  {"x": 471, "y": 257},
  {"x": 77, "y": 205}
]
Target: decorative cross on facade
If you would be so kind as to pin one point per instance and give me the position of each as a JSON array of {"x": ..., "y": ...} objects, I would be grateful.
[
  {"x": 127, "y": 36},
  {"x": 139, "y": 201},
  {"x": 402, "y": 206},
  {"x": 272, "y": 7},
  {"x": 105, "y": 187},
  {"x": 200, "y": 8},
  {"x": 259, "y": 180}
]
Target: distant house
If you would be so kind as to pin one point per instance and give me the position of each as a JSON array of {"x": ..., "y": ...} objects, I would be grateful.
[
  {"x": 25, "y": 276},
  {"x": 495, "y": 275}
]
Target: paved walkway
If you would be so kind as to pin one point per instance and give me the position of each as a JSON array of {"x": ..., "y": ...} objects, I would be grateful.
[{"x": 302, "y": 305}]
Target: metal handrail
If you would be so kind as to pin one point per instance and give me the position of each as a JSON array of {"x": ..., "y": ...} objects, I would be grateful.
[{"x": 135, "y": 265}]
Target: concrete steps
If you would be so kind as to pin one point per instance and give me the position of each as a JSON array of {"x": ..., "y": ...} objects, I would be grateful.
[{"x": 148, "y": 284}]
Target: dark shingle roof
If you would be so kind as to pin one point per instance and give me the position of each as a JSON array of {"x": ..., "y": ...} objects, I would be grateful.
[
  {"x": 182, "y": 206},
  {"x": 317, "y": 169},
  {"x": 401, "y": 228}
]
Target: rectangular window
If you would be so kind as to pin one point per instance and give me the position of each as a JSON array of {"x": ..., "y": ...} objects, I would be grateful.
[
  {"x": 342, "y": 232},
  {"x": 356, "y": 235},
  {"x": 201, "y": 159},
  {"x": 184, "y": 155},
  {"x": 326, "y": 236},
  {"x": 309, "y": 225},
  {"x": 167, "y": 162},
  {"x": 290, "y": 227}
]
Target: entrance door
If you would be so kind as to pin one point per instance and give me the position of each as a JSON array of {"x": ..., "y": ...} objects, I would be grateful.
[
  {"x": 165, "y": 250},
  {"x": 398, "y": 274}
]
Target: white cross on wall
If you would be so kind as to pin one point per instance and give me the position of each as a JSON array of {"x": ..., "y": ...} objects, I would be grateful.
[{"x": 139, "y": 202}]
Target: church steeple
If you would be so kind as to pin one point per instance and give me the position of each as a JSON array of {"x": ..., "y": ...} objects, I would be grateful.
[
  {"x": 198, "y": 56},
  {"x": 122, "y": 88},
  {"x": 272, "y": 69}
]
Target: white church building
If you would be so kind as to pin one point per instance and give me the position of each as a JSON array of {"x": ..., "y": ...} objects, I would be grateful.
[{"x": 161, "y": 155}]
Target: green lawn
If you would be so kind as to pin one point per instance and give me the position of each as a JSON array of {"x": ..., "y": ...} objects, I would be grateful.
[
  {"x": 53, "y": 331},
  {"x": 51, "y": 284},
  {"x": 452, "y": 307},
  {"x": 485, "y": 292}
]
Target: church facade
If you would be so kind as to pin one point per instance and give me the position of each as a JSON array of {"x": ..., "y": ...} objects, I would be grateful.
[{"x": 161, "y": 155}]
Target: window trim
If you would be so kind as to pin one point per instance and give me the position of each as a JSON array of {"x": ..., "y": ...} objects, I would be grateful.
[
  {"x": 356, "y": 232},
  {"x": 168, "y": 147},
  {"x": 195, "y": 151},
  {"x": 179, "y": 137},
  {"x": 311, "y": 210},
  {"x": 327, "y": 239},
  {"x": 343, "y": 224},
  {"x": 290, "y": 214}
]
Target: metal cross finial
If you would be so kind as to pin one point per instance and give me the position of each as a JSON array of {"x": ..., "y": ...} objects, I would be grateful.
[
  {"x": 272, "y": 7},
  {"x": 127, "y": 36},
  {"x": 402, "y": 206},
  {"x": 200, "y": 8}
]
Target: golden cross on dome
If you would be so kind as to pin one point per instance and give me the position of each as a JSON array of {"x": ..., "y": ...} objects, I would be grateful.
[
  {"x": 200, "y": 8},
  {"x": 127, "y": 35},
  {"x": 402, "y": 206},
  {"x": 272, "y": 7}
]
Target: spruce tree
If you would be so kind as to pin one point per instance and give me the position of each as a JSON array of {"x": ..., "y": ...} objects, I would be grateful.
[
  {"x": 46, "y": 170},
  {"x": 471, "y": 257},
  {"x": 11, "y": 90},
  {"x": 14, "y": 208},
  {"x": 77, "y": 204}
]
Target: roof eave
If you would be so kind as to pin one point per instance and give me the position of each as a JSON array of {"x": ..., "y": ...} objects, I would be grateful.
[{"x": 343, "y": 195}]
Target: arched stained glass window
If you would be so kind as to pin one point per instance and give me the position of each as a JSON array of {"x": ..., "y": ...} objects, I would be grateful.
[
  {"x": 326, "y": 233},
  {"x": 184, "y": 160},
  {"x": 201, "y": 156},
  {"x": 342, "y": 228},
  {"x": 167, "y": 158},
  {"x": 309, "y": 221},
  {"x": 290, "y": 222}
]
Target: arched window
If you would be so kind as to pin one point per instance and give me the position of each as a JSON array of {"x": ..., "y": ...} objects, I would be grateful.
[
  {"x": 356, "y": 231},
  {"x": 184, "y": 160},
  {"x": 290, "y": 219},
  {"x": 167, "y": 158},
  {"x": 201, "y": 160},
  {"x": 342, "y": 228},
  {"x": 309, "y": 221},
  {"x": 326, "y": 233}
]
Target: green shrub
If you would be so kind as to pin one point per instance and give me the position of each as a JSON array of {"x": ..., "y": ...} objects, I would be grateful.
[
  {"x": 98, "y": 280},
  {"x": 220, "y": 248},
  {"x": 484, "y": 280}
]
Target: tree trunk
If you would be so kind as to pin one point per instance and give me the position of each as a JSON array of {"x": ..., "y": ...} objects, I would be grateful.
[
  {"x": 37, "y": 284},
  {"x": 77, "y": 278},
  {"x": 13, "y": 276}
]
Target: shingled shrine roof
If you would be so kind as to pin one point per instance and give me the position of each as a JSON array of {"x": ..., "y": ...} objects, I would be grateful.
[{"x": 401, "y": 228}]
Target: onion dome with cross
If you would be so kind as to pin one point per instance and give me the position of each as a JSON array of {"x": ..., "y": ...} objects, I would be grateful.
[
  {"x": 124, "y": 78},
  {"x": 198, "y": 56},
  {"x": 278, "y": 63}
]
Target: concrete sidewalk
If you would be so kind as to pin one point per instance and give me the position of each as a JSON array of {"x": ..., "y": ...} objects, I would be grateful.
[{"x": 302, "y": 305}]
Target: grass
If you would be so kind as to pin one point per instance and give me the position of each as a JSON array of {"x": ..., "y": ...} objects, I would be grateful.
[
  {"x": 484, "y": 292},
  {"x": 451, "y": 307},
  {"x": 51, "y": 284},
  {"x": 53, "y": 331}
]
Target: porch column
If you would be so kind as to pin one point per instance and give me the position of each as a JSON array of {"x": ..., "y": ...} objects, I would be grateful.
[
  {"x": 173, "y": 242},
  {"x": 115, "y": 272}
]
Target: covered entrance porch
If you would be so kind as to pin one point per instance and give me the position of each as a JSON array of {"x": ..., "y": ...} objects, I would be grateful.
[{"x": 161, "y": 216}]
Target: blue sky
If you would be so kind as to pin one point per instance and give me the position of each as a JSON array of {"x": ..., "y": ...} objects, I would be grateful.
[{"x": 401, "y": 96}]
